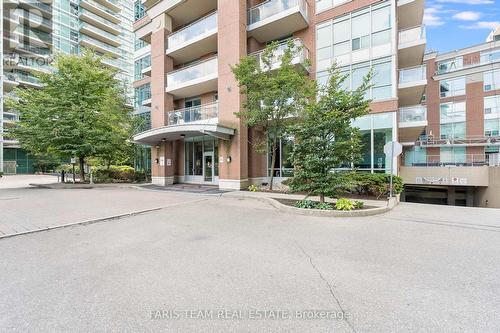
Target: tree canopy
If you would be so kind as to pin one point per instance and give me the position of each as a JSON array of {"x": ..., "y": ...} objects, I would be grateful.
[
  {"x": 80, "y": 112},
  {"x": 325, "y": 139},
  {"x": 276, "y": 88}
]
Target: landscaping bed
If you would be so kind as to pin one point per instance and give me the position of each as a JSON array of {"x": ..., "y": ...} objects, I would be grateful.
[{"x": 312, "y": 204}]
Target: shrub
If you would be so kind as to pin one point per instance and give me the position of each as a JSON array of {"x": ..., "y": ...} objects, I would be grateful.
[
  {"x": 324, "y": 206},
  {"x": 1, "y": 174},
  {"x": 376, "y": 184},
  {"x": 307, "y": 204},
  {"x": 344, "y": 204},
  {"x": 116, "y": 174},
  {"x": 253, "y": 188},
  {"x": 359, "y": 204}
]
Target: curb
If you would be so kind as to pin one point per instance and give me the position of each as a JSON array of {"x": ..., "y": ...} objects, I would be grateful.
[
  {"x": 319, "y": 212},
  {"x": 101, "y": 219}
]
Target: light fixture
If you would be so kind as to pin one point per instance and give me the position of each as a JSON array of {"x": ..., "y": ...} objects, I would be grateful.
[
  {"x": 229, "y": 159},
  {"x": 183, "y": 135}
]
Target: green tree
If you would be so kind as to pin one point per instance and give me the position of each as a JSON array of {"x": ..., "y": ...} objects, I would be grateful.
[
  {"x": 325, "y": 138},
  {"x": 81, "y": 112},
  {"x": 274, "y": 95}
]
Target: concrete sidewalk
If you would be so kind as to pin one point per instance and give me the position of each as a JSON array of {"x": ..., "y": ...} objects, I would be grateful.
[{"x": 22, "y": 181}]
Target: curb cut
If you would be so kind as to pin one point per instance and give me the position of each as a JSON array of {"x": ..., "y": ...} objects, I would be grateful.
[
  {"x": 101, "y": 219},
  {"x": 318, "y": 212}
]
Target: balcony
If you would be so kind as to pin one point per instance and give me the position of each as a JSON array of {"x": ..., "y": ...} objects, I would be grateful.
[
  {"x": 10, "y": 117},
  {"x": 185, "y": 123},
  {"x": 193, "y": 41},
  {"x": 412, "y": 122},
  {"x": 9, "y": 81},
  {"x": 275, "y": 19},
  {"x": 298, "y": 60},
  {"x": 193, "y": 80},
  {"x": 111, "y": 4},
  {"x": 99, "y": 46},
  {"x": 10, "y": 40},
  {"x": 38, "y": 38},
  {"x": 207, "y": 113},
  {"x": 99, "y": 34},
  {"x": 99, "y": 22},
  {"x": 411, "y": 46},
  {"x": 34, "y": 50},
  {"x": 100, "y": 10},
  {"x": 23, "y": 78},
  {"x": 113, "y": 63},
  {"x": 10, "y": 19},
  {"x": 412, "y": 82},
  {"x": 41, "y": 7},
  {"x": 33, "y": 20},
  {"x": 182, "y": 12},
  {"x": 469, "y": 141},
  {"x": 410, "y": 13}
]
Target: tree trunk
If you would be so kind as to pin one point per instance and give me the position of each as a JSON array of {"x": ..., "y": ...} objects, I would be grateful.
[
  {"x": 273, "y": 162},
  {"x": 82, "y": 170},
  {"x": 322, "y": 198}
]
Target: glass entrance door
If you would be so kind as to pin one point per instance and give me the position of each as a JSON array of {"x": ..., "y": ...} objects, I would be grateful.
[{"x": 208, "y": 166}]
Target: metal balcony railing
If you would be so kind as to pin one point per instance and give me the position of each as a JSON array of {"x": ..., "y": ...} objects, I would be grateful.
[
  {"x": 99, "y": 19},
  {"x": 99, "y": 31},
  {"x": 103, "y": 8},
  {"x": 273, "y": 7},
  {"x": 453, "y": 160},
  {"x": 200, "y": 113},
  {"x": 478, "y": 140},
  {"x": 486, "y": 58},
  {"x": 193, "y": 30},
  {"x": 102, "y": 45}
]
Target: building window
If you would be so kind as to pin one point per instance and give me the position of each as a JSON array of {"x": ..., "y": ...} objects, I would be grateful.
[
  {"x": 283, "y": 166},
  {"x": 376, "y": 130},
  {"x": 492, "y": 80},
  {"x": 139, "y": 10},
  {"x": 381, "y": 82},
  {"x": 452, "y": 87},
  {"x": 416, "y": 156},
  {"x": 492, "y": 115},
  {"x": 452, "y": 155},
  {"x": 141, "y": 64},
  {"x": 359, "y": 30},
  {"x": 487, "y": 57},
  {"x": 452, "y": 120},
  {"x": 142, "y": 94}
]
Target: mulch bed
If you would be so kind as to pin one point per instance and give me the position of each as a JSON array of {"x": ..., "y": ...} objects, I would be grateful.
[{"x": 292, "y": 202}]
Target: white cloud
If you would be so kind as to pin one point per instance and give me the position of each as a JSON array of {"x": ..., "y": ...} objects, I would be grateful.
[
  {"x": 467, "y": 16},
  {"x": 432, "y": 17},
  {"x": 468, "y": 2},
  {"x": 482, "y": 25}
]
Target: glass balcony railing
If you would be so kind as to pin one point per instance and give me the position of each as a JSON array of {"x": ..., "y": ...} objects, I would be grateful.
[
  {"x": 412, "y": 114},
  {"x": 445, "y": 160},
  {"x": 193, "y": 72},
  {"x": 193, "y": 30},
  {"x": 10, "y": 117},
  {"x": 413, "y": 74},
  {"x": 276, "y": 60},
  {"x": 102, "y": 7},
  {"x": 100, "y": 44},
  {"x": 98, "y": 31},
  {"x": 99, "y": 19},
  {"x": 40, "y": 5},
  {"x": 40, "y": 35},
  {"x": 22, "y": 77},
  {"x": 412, "y": 35},
  {"x": 34, "y": 49},
  {"x": 202, "y": 113},
  {"x": 273, "y": 7}
]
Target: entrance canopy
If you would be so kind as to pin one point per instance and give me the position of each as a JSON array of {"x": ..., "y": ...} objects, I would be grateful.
[{"x": 181, "y": 131}]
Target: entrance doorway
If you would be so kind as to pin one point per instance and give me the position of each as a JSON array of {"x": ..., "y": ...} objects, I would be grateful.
[{"x": 201, "y": 160}]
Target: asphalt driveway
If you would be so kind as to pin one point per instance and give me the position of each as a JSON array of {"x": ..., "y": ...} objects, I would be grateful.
[{"x": 417, "y": 268}]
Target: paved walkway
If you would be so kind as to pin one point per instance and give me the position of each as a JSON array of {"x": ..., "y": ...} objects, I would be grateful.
[
  {"x": 417, "y": 268},
  {"x": 20, "y": 181}
]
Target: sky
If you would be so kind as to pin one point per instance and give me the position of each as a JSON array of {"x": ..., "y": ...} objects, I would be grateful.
[{"x": 455, "y": 24}]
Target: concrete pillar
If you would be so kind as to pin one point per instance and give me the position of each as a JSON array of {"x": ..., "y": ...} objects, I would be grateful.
[
  {"x": 161, "y": 102},
  {"x": 451, "y": 196},
  {"x": 469, "y": 197},
  {"x": 232, "y": 35}
]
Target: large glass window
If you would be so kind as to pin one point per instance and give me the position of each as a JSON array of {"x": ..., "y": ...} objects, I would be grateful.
[
  {"x": 452, "y": 155},
  {"x": 142, "y": 93},
  {"x": 139, "y": 65},
  {"x": 452, "y": 120},
  {"x": 492, "y": 115},
  {"x": 381, "y": 81},
  {"x": 452, "y": 87},
  {"x": 283, "y": 166},
  {"x": 376, "y": 130},
  {"x": 322, "y": 5},
  {"x": 449, "y": 65},
  {"x": 492, "y": 80}
]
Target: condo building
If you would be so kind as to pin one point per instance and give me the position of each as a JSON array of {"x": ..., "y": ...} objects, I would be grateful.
[
  {"x": 455, "y": 157},
  {"x": 187, "y": 84},
  {"x": 34, "y": 31}
]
